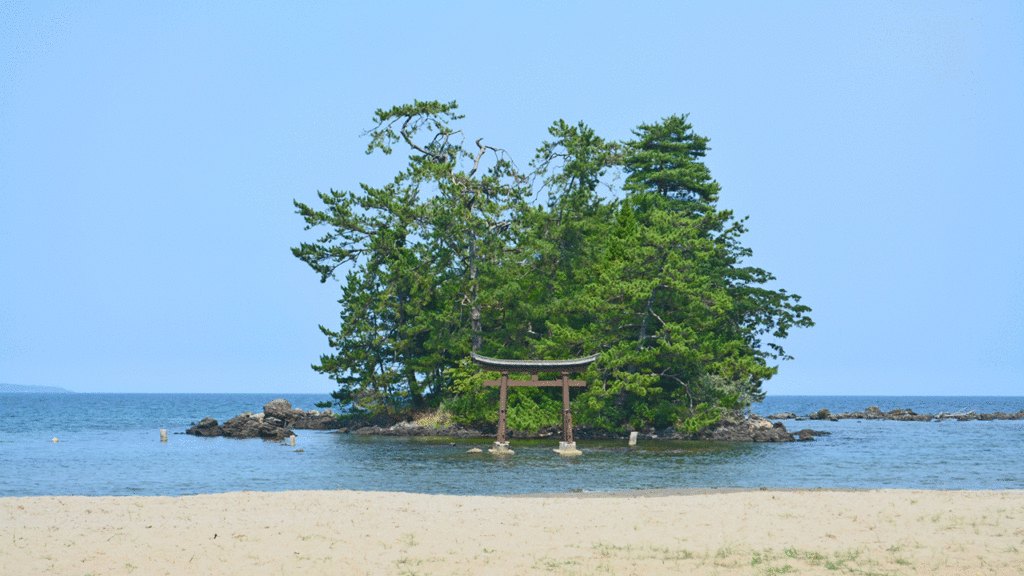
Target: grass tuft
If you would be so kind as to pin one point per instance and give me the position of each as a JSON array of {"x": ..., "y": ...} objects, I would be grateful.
[{"x": 440, "y": 418}]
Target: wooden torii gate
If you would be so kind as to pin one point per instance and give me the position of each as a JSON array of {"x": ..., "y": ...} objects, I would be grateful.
[{"x": 567, "y": 447}]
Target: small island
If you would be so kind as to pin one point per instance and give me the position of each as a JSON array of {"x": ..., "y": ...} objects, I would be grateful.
[{"x": 530, "y": 266}]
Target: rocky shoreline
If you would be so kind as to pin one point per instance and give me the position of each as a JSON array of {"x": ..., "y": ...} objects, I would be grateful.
[
  {"x": 900, "y": 414},
  {"x": 279, "y": 420},
  {"x": 752, "y": 429}
]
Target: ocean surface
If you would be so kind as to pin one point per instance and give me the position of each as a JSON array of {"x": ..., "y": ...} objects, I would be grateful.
[{"x": 109, "y": 444}]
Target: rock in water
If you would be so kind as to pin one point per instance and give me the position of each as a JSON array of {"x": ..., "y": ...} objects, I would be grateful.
[
  {"x": 280, "y": 409},
  {"x": 274, "y": 423},
  {"x": 249, "y": 426},
  {"x": 245, "y": 425},
  {"x": 242, "y": 426},
  {"x": 207, "y": 427},
  {"x": 808, "y": 434},
  {"x": 289, "y": 417}
]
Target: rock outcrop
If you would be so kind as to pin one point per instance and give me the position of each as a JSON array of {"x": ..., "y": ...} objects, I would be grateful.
[
  {"x": 247, "y": 425},
  {"x": 250, "y": 425},
  {"x": 300, "y": 419},
  {"x": 275, "y": 423},
  {"x": 751, "y": 429},
  {"x": 206, "y": 427}
]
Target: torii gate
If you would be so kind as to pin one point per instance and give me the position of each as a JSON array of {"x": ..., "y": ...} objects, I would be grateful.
[{"x": 567, "y": 447}]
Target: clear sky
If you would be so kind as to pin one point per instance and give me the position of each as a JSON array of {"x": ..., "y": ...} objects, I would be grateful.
[{"x": 150, "y": 153}]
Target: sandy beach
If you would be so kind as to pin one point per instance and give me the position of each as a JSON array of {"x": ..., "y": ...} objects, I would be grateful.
[{"x": 646, "y": 532}]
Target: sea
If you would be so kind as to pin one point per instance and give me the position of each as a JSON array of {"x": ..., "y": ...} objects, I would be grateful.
[{"x": 109, "y": 444}]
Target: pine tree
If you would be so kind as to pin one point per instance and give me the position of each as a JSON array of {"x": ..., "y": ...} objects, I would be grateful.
[
  {"x": 419, "y": 252},
  {"x": 665, "y": 158}
]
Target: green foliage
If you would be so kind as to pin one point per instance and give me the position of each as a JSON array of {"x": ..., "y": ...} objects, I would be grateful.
[
  {"x": 531, "y": 409},
  {"x": 665, "y": 159},
  {"x": 447, "y": 259},
  {"x": 472, "y": 401},
  {"x": 704, "y": 415}
]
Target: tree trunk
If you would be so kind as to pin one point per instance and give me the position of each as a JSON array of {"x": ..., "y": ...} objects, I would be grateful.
[
  {"x": 643, "y": 325},
  {"x": 476, "y": 324},
  {"x": 415, "y": 392}
]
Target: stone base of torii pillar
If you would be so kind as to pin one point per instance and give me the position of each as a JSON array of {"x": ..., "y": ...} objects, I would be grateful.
[
  {"x": 501, "y": 448},
  {"x": 567, "y": 449}
]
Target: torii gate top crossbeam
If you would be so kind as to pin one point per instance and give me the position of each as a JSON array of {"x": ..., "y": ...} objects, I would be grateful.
[{"x": 533, "y": 366}]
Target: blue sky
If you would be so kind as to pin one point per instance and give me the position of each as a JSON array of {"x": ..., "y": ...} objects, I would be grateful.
[{"x": 150, "y": 153}]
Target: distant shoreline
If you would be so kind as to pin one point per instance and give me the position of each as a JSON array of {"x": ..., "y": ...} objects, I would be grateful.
[{"x": 22, "y": 389}]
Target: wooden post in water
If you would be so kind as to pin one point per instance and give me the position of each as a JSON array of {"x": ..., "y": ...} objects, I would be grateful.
[
  {"x": 567, "y": 447},
  {"x": 566, "y": 410},
  {"x": 501, "y": 443}
]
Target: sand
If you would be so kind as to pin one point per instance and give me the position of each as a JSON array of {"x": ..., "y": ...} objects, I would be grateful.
[{"x": 660, "y": 532}]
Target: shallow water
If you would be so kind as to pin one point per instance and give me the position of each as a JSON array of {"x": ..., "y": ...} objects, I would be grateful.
[{"x": 109, "y": 445}]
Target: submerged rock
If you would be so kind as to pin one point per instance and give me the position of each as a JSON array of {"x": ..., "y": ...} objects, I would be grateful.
[{"x": 807, "y": 434}]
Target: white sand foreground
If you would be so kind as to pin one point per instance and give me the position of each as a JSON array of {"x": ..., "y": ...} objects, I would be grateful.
[{"x": 342, "y": 533}]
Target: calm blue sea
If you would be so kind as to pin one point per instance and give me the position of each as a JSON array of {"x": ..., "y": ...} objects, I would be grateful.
[{"x": 110, "y": 445}]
